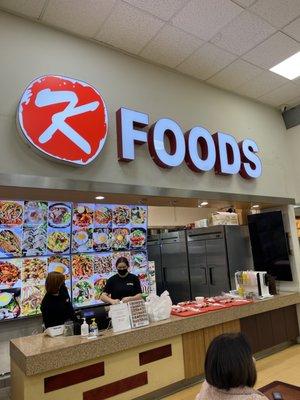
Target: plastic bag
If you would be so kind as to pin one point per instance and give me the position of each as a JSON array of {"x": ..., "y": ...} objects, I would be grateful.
[{"x": 159, "y": 307}]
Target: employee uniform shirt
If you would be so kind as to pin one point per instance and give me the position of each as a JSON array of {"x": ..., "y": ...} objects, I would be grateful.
[{"x": 119, "y": 287}]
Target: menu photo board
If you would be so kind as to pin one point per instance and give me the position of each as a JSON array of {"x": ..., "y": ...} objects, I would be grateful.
[{"x": 81, "y": 240}]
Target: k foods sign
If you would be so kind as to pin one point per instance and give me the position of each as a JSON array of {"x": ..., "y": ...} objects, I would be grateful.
[{"x": 66, "y": 119}]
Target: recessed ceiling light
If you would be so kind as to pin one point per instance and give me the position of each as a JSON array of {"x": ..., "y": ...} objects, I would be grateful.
[
  {"x": 289, "y": 68},
  {"x": 203, "y": 203},
  {"x": 99, "y": 197},
  {"x": 255, "y": 206}
]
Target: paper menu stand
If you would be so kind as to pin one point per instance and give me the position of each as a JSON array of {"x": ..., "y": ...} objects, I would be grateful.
[
  {"x": 120, "y": 319},
  {"x": 138, "y": 313}
]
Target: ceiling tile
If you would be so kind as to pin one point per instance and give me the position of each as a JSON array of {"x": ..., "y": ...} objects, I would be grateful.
[
  {"x": 206, "y": 17},
  {"x": 262, "y": 84},
  {"x": 235, "y": 75},
  {"x": 171, "y": 46},
  {"x": 206, "y": 61},
  {"x": 82, "y": 17},
  {"x": 277, "y": 12},
  {"x": 244, "y": 3},
  {"x": 30, "y": 8},
  {"x": 164, "y": 9},
  {"x": 293, "y": 29},
  {"x": 243, "y": 33},
  {"x": 129, "y": 29},
  {"x": 272, "y": 51},
  {"x": 282, "y": 95}
]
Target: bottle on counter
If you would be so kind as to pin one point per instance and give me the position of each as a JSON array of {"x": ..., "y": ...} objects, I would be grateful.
[
  {"x": 84, "y": 328},
  {"x": 94, "y": 328}
]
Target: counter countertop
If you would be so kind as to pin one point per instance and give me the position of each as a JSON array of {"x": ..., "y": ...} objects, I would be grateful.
[{"x": 39, "y": 353}]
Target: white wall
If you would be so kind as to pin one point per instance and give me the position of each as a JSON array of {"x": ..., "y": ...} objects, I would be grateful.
[
  {"x": 29, "y": 50},
  {"x": 175, "y": 216},
  {"x": 293, "y": 144}
]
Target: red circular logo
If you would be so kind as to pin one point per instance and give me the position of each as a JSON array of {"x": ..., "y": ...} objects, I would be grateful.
[{"x": 63, "y": 118}]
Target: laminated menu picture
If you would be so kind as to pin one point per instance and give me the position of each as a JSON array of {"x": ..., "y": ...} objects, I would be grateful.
[
  {"x": 11, "y": 213},
  {"x": 34, "y": 241},
  {"x": 121, "y": 215},
  {"x": 11, "y": 242},
  {"x": 103, "y": 216},
  {"x": 10, "y": 273},
  {"x": 35, "y": 213},
  {"x": 102, "y": 239},
  {"x": 139, "y": 261},
  {"x": 59, "y": 215},
  {"x": 120, "y": 239},
  {"x": 57, "y": 263},
  {"x": 138, "y": 238},
  {"x": 10, "y": 304},
  {"x": 58, "y": 240},
  {"x": 31, "y": 299},
  {"x": 34, "y": 271},
  {"x": 82, "y": 240},
  {"x": 139, "y": 215},
  {"x": 83, "y": 215},
  {"x": 83, "y": 292},
  {"x": 99, "y": 285},
  {"x": 82, "y": 266},
  {"x": 103, "y": 264}
]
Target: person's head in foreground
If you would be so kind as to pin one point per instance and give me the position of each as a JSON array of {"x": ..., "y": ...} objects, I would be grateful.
[{"x": 230, "y": 370}]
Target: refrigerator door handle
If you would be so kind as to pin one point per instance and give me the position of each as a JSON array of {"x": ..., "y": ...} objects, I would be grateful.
[{"x": 210, "y": 275}]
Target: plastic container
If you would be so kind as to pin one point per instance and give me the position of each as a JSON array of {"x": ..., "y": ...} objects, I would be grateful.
[
  {"x": 84, "y": 328},
  {"x": 94, "y": 328},
  {"x": 68, "y": 328}
]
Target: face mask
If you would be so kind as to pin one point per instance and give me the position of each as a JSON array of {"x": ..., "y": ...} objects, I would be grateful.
[{"x": 122, "y": 272}]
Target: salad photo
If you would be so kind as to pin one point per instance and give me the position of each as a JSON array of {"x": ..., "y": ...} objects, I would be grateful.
[
  {"x": 11, "y": 213},
  {"x": 102, "y": 238},
  {"x": 59, "y": 264},
  {"x": 82, "y": 240},
  {"x": 138, "y": 215},
  {"x": 102, "y": 264},
  {"x": 138, "y": 237},
  {"x": 83, "y": 292},
  {"x": 10, "y": 273},
  {"x": 139, "y": 260},
  {"x": 9, "y": 305},
  {"x": 31, "y": 298},
  {"x": 103, "y": 215},
  {"x": 59, "y": 215},
  {"x": 120, "y": 239},
  {"x": 82, "y": 265},
  {"x": 83, "y": 215},
  {"x": 34, "y": 240},
  {"x": 58, "y": 241},
  {"x": 35, "y": 213},
  {"x": 10, "y": 243},
  {"x": 34, "y": 271},
  {"x": 121, "y": 215},
  {"x": 99, "y": 286}
]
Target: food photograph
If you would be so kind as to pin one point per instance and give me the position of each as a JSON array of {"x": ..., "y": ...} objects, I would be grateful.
[
  {"x": 102, "y": 239},
  {"x": 83, "y": 292},
  {"x": 59, "y": 264},
  {"x": 34, "y": 241},
  {"x": 139, "y": 260},
  {"x": 35, "y": 213},
  {"x": 138, "y": 215},
  {"x": 121, "y": 215},
  {"x": 99, "y": 285},
  {"x": 120, "y": 239},
  {"x": 59, "y": 215},
  {"x": 11, "y": 242},
  {"x": 102, "y": 215},
  {"x": 82, "y": 266},
  {"x": 82, "y": 240},
  {"x": 11, "y": 213},
  {"x": 144, "y": 280},
  {"x": 31, "y": 298},
  {"x": 103, "y": 264},
  {"x": 34, "y": 271},
  {"x": 138, "y": 237},
  {"x": 58, "y": 240},
  {"x": 9, "y": 304},
  {"x": 83, "y": 215},
  {"x": 10, "y": 273}
]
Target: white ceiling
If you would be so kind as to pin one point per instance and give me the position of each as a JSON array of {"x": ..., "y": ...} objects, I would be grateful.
[{"x": 227, "y": 43}]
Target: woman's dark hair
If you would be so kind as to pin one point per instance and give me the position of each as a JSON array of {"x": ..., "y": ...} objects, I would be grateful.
[
  {"x": 122, "y": 260},
  {"x": 54, "y": 281},
  {"x": 229, "y": 362}
]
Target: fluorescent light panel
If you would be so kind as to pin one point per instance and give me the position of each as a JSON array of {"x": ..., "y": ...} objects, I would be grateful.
[{"x": 289, "y": 68}]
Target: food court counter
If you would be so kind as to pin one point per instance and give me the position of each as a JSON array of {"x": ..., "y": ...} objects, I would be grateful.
[{"x": 145, "y": 362}]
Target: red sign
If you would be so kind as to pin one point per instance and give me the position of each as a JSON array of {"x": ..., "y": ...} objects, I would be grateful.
[{"x": 63, "y": 118}]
